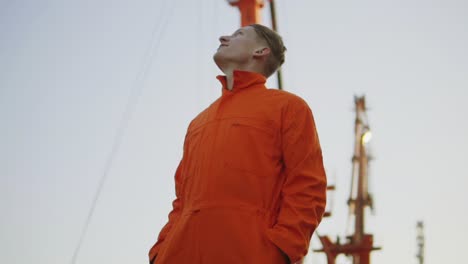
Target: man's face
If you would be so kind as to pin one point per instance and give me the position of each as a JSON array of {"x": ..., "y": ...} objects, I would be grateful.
[{"x": 237, "y": 48}]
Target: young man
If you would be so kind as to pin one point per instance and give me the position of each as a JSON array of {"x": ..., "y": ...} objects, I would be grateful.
[{"x": 251, "y": 185}]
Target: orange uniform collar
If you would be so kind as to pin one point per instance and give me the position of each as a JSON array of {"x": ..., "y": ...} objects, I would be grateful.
[{"x": 242, "y": 79}]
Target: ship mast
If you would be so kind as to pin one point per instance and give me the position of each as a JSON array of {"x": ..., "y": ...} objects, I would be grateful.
[
  {"x": 360, "y": 197},
  {"x": 359, "y": 244}
]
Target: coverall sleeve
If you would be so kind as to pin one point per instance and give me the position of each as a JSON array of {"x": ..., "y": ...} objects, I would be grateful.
[
  {"x": 173, "y": 215},
  {"x": 303, "y": 195}
]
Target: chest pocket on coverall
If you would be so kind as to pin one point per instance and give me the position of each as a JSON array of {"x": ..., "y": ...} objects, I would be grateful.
[{"x": 251, "y": 146}]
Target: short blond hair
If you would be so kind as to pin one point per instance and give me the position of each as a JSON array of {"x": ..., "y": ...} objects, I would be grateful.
[{"x": 275, "y": 43}]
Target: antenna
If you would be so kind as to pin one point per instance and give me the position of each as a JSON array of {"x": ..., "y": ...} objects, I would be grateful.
[{"x": 420, "y": 241}]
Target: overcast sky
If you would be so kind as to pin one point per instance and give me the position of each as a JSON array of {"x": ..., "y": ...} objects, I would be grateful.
[{"x": 68, "y": 69}]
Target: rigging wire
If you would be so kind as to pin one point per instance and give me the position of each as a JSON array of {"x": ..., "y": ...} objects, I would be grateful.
[{"x": 137, "y": 87}]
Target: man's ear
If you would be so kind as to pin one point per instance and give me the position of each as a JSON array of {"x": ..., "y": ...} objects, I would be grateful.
[{"x": 260, "y": 52}]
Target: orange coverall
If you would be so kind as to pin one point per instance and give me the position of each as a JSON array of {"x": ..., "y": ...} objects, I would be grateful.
[{"x": 250, "y": 187}]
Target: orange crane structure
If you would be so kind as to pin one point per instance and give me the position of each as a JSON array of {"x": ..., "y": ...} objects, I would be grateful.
[
  {"x": 250, "y": 10},
  {"x": 359, "y": 244}
]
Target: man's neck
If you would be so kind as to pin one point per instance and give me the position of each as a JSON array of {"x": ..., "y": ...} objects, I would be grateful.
[
  {"x": 229, "y": 79},
  {"x": 230, "y": 75}
]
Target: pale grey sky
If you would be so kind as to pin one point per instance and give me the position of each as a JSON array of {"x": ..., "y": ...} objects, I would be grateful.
[{"x": 67, "y": 69}]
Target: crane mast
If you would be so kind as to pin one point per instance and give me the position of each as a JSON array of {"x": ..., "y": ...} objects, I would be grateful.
[
  {"x": 359, "y": 244},
  {"x": 360, "y": 197}
]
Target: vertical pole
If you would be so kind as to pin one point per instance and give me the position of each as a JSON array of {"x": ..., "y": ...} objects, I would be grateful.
[
  {"x": 361, "y": 164},
  {"x": 273, "y": 25},
  {"x": 360, "y": 203},
  {"x": 359, "y": 228},
  {"x": 420, "y": 240}
]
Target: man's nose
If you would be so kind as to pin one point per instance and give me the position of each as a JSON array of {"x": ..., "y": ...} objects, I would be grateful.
[{"x": 223, "y": 39}]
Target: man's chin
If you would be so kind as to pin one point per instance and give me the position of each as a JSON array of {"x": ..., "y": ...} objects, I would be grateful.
[
  {"x": 217, "y": 55},
  {"x": 219, "y": 60}
]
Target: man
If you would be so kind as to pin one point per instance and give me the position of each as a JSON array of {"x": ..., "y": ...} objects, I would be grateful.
[{"x": 251, "y": 185}]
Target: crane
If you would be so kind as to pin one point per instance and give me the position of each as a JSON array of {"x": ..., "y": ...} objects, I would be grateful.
[{"x": 359, "y": 244}]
